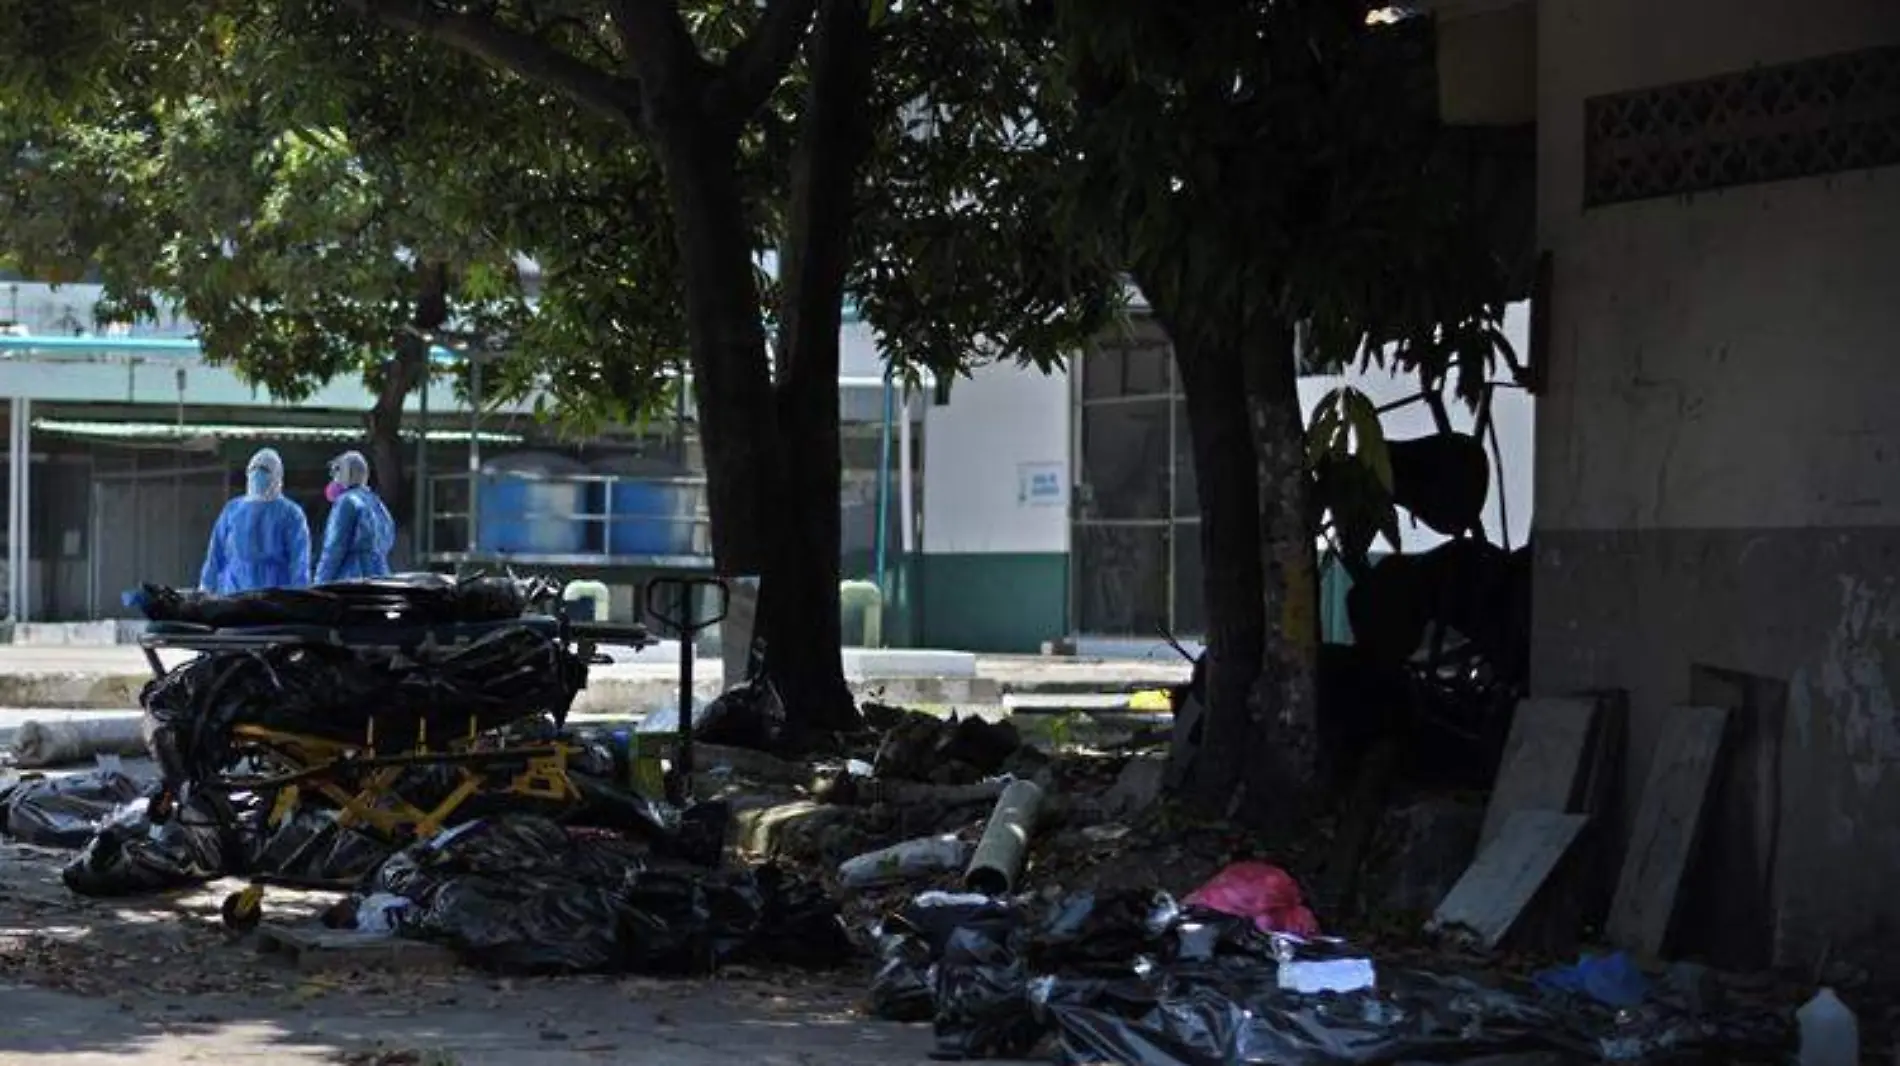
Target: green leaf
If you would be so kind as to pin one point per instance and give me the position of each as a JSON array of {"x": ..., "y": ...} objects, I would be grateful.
[{"x": 1368, "y": 436}]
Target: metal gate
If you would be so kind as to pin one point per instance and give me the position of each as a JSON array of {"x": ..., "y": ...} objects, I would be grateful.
[
  {"x": 151, "y": 525},
  {"x": 1135, "y": 553}
]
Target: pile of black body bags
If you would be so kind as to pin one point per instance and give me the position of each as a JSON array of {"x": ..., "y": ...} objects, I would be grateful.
[
  {"x": 1134, "y": 979},
  {"x": 520, "y": 893}
]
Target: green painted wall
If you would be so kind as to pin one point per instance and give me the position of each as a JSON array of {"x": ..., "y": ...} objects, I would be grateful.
[
  {"x": 1005, "y": 602},
  {"x": 900, "y": 595}
]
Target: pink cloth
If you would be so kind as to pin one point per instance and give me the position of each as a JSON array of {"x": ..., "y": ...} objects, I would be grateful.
[{"x": 1267, "y": 894}]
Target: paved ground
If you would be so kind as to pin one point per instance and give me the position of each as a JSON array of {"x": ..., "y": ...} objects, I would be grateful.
[
  {"x": 461, "y": 1021},
  {"x": 157, "y": 981}
]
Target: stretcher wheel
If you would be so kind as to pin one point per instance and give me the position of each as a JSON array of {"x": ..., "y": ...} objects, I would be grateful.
[{"x": 243, "y": 909}]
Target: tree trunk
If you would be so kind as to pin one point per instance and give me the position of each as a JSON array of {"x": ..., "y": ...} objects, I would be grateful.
[
  {"x": 1284, "y": 772},
  {"x": 1226, "y": 480},
  {"x": 398, "y": 379},
  {"x": 798, "y": 599},
  {"x": 732, "y": 390},
  {"x": 772, "y": 453}
]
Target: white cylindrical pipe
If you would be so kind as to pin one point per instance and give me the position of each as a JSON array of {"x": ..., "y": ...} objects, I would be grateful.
[
  {"x": 75, "y": 740},
  {"x": 907, "y": 520},
  {"x": 1005, "y": 843}
]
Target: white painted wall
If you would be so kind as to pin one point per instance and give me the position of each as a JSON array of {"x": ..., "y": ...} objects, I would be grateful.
[
  {"x": 1513, "y": 412},
  {"x": 1721, "y": 361},
  {"x": 858, "y": 356},
  {"x": 1001, "y": 425}
]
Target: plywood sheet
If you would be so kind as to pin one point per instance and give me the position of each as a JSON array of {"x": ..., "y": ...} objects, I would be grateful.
[
  {"x": 1544, "y": 759},
  {"x": 1496, "y": 889},
  {"x": 1667, "y": 821}
]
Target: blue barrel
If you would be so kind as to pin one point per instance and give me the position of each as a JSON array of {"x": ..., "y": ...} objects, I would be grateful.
[
  {"x": 532, "y": 515},
  {"x": 651, "y": 507},
  {"x": 652, "y": 517}
]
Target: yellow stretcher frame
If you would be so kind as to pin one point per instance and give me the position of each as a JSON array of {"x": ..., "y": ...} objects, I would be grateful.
[
  {"x": 362, "y": 785},
  {"x": 362, "y": 782}
]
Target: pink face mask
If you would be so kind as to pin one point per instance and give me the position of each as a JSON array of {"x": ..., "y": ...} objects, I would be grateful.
[{"x": 333, "y": 490}]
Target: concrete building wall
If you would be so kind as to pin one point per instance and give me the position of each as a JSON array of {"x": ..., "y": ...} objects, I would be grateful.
[
  {"x": 1718, "y": 462},
  {"x": 993, "y": 574}
]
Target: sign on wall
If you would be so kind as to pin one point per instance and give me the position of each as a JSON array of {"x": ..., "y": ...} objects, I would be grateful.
[{"x": 1040, "y": 484}]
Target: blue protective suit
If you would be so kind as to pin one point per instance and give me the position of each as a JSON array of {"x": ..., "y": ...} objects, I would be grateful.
[
  {"x": 260, "y": 540},
  {"x": 357, "y": 538}
]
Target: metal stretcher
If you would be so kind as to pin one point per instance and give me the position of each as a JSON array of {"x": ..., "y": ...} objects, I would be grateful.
[{"x": 358, "y": 767}]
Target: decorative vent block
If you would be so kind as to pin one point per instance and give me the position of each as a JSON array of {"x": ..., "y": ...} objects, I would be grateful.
[{"x": 1797, "y": 120}]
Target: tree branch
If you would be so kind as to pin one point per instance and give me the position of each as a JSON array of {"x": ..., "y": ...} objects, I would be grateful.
[
  {"x": 756, "y": 65},
  {"x": 661, "y": 47},
  {"x": 515, "y": 53}
]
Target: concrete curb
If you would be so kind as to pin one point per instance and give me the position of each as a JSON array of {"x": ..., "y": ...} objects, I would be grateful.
[{"x": 72, "y": 691}]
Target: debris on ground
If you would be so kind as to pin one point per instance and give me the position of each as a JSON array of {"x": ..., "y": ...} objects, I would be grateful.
[
  {"x": 64, "y": 812},
  {"x": 522, "y": 894},
  {"x": 1137, "y": 979},
  {"x": 1020, "y": 897},
  {"x": 1265, "y": 894},
  {"x": 900, "y": 862}
]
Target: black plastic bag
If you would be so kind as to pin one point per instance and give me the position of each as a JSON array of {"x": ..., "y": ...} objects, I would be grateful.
[
  {"x": 934, "y": 916},
  {"x": 983, "y": 1008},
  {"x": 683, "y": 920},
  {"x": 904, "y": 989},
  {"x": 310, "y": 845},
  {"x": 505, "y": 675},
  {"x": 129, "y": 856},
  {"x": 696, "y": 835},
  {"x": 750, "y": 716},
  {"x": 389, "y": 602},
  {"x": 800, "y": 925},
  {"x": 1232, "y": 1011},
  {"x": 64, "y": 812},
  {"x": 522, "y": 924},
  {"x": 523, "y": 894},
  {"x": 1087, "y": 932},
  {"x": 910, "y": 943},
  {"x": 516, "y": 894}
]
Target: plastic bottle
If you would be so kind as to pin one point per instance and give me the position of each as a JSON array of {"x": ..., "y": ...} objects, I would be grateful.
[
  {"x": 1829, "y": 1034},
  {"x": 899, "y": 861}
]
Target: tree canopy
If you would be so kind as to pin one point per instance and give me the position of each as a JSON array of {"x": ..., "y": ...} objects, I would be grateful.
[
  {"x": 654, "y": 157},
  {"x": 1275, "y": 177},
  {"x": 286, "y": 173}
]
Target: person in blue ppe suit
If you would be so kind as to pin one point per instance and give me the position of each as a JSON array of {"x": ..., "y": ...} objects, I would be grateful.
[
  {"x": 261, "y": 540},
  {"x": 359, "y": 534}
]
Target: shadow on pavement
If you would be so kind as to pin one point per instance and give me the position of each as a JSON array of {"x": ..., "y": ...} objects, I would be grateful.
[{"x": 158, "y": 980}]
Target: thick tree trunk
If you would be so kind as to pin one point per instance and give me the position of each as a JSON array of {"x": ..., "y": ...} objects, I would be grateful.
[
  {"x": 1285, "y": 773},
  {"x": 732, "y": 390},
  {"x": 798, "y": 605},
  {"x": 1226, "y": 480},
  {"x": 400, "y": 376},
  {"x": 1257, "y": 755},
  {"x": 772, "y": 452}
]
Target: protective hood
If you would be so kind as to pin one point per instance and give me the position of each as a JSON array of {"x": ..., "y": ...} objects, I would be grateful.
[
  {"x": 350, "y": 470},
  {"x": 264, "y": 475}
]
